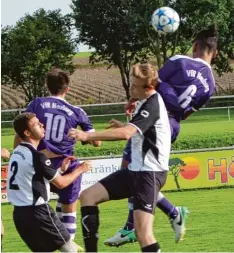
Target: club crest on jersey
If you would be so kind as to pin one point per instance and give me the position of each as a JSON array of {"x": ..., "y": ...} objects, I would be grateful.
[
  {"x": 48, "y": 162},
  {"x": 144, "y": 113}
]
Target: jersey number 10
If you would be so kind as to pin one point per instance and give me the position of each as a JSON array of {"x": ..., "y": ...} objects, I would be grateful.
[{"x": 55, "y": 126}]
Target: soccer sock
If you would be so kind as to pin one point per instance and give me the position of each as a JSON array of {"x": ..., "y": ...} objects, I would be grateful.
[
  {"x": 129, "y": 225},
  {"x": 69, "y": 222},
  {"x": 59, "y": 210},
  {"x": 151, "y": 248},
  {"x": 164, "y": 205},
  {"x": 90, "y": 225}
]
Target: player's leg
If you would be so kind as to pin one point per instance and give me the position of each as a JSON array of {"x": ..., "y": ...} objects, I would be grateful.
[
  {"x": 40, "y": 228},
  {"x": 144, "y": 231},
  {"x": 67, "y": 202},
  {"x": 127, "y": 233},
  {"x": 69, "y": 246},
  {"x": 147, "y": 188},
  {"x": 177, "y": 215},
  {"x": 113, "y": 187},
  {"x": 68, "y": 198},
  {"x": 124, "y": 165},
  {"x": 89, "y": 199},
  {"x": 69, "y": 217},
  {"x": 129, "y": 225},
  {"x": 58, "y": 209}
]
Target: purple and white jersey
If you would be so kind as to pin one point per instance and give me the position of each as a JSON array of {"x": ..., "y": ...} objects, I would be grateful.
[
  {"x": 185, "y": 84},
  {"x": 58, "y": 116}
]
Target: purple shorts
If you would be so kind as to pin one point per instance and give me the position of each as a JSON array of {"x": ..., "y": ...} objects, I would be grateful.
[
  {"x": 69, "y": 194},
  {"x": 175, "y": 130}
]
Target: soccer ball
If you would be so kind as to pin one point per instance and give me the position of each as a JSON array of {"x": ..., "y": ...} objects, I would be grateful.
[{"x": 165, "y": 20}]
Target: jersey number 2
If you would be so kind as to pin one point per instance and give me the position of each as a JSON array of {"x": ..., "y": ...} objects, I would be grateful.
[
  {"x": 186, "y": 97},
  {"x": 14, "y": 169},
  {"x": 55, "y": 126}
]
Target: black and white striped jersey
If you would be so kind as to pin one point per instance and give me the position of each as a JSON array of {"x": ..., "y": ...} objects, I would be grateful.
[
  {"x": 151, "y": 144},
  {"x": 28, "y": 177}
]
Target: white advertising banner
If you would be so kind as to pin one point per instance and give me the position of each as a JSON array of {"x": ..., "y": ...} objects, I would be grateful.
[{"x": 100, "y": 168}]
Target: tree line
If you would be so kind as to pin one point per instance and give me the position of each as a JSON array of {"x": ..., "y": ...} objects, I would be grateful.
[{"x": 118, "y": 30}]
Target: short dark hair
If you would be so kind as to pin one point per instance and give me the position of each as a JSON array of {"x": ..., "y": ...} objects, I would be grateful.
[
  {"x": 57, "y": 80},
  {"x": 21, "y": 121},
  {"x": 207, "y": 39}
]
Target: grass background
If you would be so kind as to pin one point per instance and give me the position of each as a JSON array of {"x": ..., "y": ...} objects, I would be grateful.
[
  {"x": 205, "y": 129},
  {"x": 210, "y": 225}
]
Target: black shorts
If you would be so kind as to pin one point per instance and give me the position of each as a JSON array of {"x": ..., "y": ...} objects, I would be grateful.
[
  {"x": 40, "y": 228},
  {"x": 143, "y": 186}
]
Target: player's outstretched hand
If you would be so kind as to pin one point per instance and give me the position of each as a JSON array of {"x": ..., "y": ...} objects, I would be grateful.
[
  {"x": 66, "y": 163},
  {"x": 85, "y": 166},
  {"x": 5, "y": 153},
  {"x": 113, "y": 123},
  {"x": 78, "y": 135}
]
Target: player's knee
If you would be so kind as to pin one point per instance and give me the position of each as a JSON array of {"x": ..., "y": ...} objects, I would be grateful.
[
  {"x": 69, "y": 246},
  {"x": 144, "y": 237},
  {"x": 69, "y": 208},
  {"x": 87, "y": 198},
  {"x": 94, "y": 195}
]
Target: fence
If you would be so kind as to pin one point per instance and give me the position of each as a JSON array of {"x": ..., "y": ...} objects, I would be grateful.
[{"x": 113, "y": 109}]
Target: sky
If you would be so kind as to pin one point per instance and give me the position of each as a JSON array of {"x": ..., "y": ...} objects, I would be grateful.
[{"x": 13, "y": 10}]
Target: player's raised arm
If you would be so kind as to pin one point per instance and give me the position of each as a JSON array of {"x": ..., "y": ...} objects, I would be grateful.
[
  {"x": 86, "y": 125},
  {"x": 122, "y": 133},
  {"x": 113, "y": 123},
  {"x": 61, "y": 181},
  {"x": 55, "y": 176}
]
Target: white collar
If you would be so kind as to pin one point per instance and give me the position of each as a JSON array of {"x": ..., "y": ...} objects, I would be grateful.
[
  {"x": 28, "y": 143},
  {"x": 57, "y": 98},
  {"x": 143, "y": 100},
  {"x": 201, "y": 60}
]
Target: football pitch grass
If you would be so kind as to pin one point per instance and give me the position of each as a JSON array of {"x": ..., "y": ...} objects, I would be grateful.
[
  {"x": 210, "y": 224},
  {"x": 189, "y": 129}
]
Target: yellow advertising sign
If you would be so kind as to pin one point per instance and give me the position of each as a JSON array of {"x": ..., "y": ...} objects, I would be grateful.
[
  {"x": 187, "y": 171},
  {"x": 200, "y": 170}
]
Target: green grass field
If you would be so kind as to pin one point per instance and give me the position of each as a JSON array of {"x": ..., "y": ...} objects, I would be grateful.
[
  {"x": 83, "y": 54},
  {"x": 220, "y": 133},
  {"x": 203, "y": 130},
  {"x": 210, "y": 226},
  {"x": 211, "y": 222}
]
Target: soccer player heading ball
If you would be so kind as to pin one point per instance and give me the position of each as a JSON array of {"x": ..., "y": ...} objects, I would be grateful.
[{"x": 185, "y": 85}]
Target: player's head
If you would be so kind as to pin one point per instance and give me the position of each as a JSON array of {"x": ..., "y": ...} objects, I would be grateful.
[
  {"x": 57, "y": 81},
  {"x": 206, "y": 42},
  {"x": 27, "y": 126},
  {"x": 144, "y": 80}
]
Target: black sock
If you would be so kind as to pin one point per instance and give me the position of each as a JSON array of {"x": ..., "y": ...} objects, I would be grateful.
[
  {"x": 90, "y": 224},
  {"x": 151, "y": 248}
]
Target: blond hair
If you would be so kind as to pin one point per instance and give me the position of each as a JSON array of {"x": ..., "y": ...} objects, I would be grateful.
[{"x": 147, "y": 72}]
